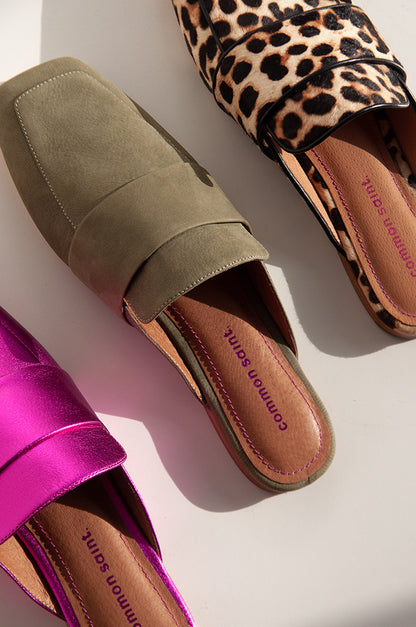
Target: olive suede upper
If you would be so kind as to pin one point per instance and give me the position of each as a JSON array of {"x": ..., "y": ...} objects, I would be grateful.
[{"x": 129, "y": 211}]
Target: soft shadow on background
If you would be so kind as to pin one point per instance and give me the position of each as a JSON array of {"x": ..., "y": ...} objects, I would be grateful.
[
  {"x": 119, "y": 371},
  {"x": 142, "y": 51},
  {"x": 346, "y": 533},
  {"x": 116, "y": 368},
  {"x": 402, "y": 615}
]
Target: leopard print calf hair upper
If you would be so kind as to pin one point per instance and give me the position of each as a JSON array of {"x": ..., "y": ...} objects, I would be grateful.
[
  {"x": 273, "y": 62},
  {"x": 250, "y": 53}
]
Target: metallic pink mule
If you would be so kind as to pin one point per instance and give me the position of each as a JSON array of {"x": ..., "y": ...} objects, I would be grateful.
[{"x": 74, "y": 533}]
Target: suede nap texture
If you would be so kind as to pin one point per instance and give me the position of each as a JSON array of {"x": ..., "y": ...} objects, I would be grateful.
[{"x": 126, "y": 207}]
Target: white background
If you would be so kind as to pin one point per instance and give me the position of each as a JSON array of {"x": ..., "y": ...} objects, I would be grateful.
[{"x": 338, "y": 553}]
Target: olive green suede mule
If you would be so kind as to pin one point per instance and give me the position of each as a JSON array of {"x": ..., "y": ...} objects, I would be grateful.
[{"x": 149, "y": 231}]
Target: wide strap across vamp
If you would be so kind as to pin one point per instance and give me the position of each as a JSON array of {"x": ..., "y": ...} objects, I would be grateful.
[
  {"x": 110, "y": 193},
  {"x": 291, "y": 72}
]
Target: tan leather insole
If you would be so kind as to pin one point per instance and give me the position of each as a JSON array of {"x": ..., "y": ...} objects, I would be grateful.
[
  {"x": 263, "y": 394},
  {"x": 105, "y": 574},
  {"x": 377, "y": 207},
  {"x": 18, "y": 563}
]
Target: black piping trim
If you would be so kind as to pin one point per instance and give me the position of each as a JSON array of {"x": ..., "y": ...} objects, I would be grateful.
[
  {"x": 207, "y": 16},
  {"x": 269, "y": 147},
  {"x": 354, "y": 60},
  {"x": 275, "y": 155},
  {"x": 353, "y": 116},
  {"x": 266, "y": 28},
  {"x": 298, "y": 186}
]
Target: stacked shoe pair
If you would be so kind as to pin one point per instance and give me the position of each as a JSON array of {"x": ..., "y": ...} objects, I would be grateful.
[{"x": 148, "y": 230}]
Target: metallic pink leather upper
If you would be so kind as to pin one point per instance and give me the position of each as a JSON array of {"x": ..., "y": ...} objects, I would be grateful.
[
  {"x": 50, "y": 442},
  {"x": 50, "y": 439}
]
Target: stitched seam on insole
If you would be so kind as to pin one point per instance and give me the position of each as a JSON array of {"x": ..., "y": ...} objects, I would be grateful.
[
  {"x": 26, "y": 134},
  {"x": 56, "y": 496},
  {"x": 237, "y": 419},
  {"x": 149, "y": 580},
  {"x": 67, "y": 571},
  {"x": 302, "y": 395},
  {"x": 363, "y": 248},
  {"x": 193, "y": 284}
]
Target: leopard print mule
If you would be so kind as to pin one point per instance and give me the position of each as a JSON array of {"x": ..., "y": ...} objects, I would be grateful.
[{"x": 318, "y": 90}]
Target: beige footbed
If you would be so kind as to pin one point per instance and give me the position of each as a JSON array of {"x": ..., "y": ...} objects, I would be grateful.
[
  {"x": 102, "y": 569},
  {"x": 269, "y": 417},
  {"x": 378, "y": 207}
]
